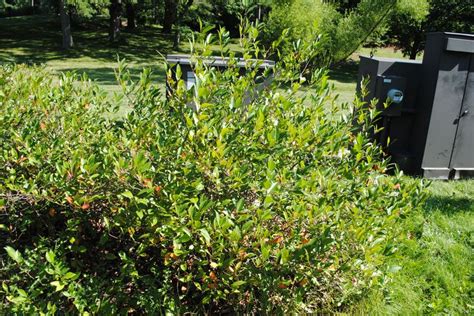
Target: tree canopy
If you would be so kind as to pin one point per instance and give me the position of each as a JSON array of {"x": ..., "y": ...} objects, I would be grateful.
[{"x": 414, "y": 18}]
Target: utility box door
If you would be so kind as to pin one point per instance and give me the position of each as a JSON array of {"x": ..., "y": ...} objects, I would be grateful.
[
  {"x": 463, "y": 153},
  {"x": 447, "y": 104}
]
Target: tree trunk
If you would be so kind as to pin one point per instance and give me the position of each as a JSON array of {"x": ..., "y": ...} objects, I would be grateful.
[
  {"x": 177, "y": 38},
  {"x": 171, "y": 12},
  {"x": 65, "y": 26},
  {"x": 35, "y": 4},
  {"x": 415, "y": 48},
  {"x": 413, "y": 53},
  {"x": 180, "y": 15},
  {"x": 115, "y": 11},
  {"x": 154, "y": 5},
  {"x": 130, "y": 16},
  {"x": 140, "y": 18}
]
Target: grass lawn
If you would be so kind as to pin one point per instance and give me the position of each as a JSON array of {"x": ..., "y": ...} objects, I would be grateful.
[
  {"x": 437, "y": 262},
  {"x": 92, "y": 54},
  {"x": 436, "y": 265}
]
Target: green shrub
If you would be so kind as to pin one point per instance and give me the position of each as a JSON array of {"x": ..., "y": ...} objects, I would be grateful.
[
  {"x": 307, "y": 20},
  {"x": 256, "y": 202},
  {"x": 339, "y": 34}
]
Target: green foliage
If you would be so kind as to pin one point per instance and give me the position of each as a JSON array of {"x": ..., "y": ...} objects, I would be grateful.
[
  {"x": 451, "y": 16},
  {"x": 355, "y": 28},
  {"x": 42, "y": 266},
  {"x": 341, "y": 34},
  {"x": 88, "y": 8},
  {"x": 406, "y": 27},
  {"x": 260, "y": 200},
  {"x": 80, "y": 8},
  {"x": 15, "y": 7},
  {"x": 413, "y": 19},
  {"x": 227, "y": 13},
  {"x": 307, "y": 20},
  {"x": 417, "y": 9}
]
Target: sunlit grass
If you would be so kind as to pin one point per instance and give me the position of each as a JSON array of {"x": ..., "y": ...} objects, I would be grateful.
[{"x": 437, "y": 263}]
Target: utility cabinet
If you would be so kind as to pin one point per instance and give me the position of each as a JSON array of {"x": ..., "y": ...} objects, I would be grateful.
[
  {"x": 394, "y": 82},
  {"x": 430, "y": 120},
  {"x": 447, "y": 98},
  {"x": 221, "y": 63}
]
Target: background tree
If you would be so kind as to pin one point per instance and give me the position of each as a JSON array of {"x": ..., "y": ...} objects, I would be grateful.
[
  {"x": 174, "y": 13},
  {"x": 339, "y": 27},
  {"x": 115, "y": 14},
  {"x": 65, "y": 25},
  {"x": 68, "y": 11},
  {"x": 354, "y": 28},
  {"x": 130, "y": 9},
  {"x": 181, "y": 12},
  {"x": 414, "y": 18},
  {"x": 340, "y": 31},
  {"x": 451, "y": 15},
  {"x": 19, "y": 7},
  {"x": 170, "y": 15},
  {"x": 228, "y": 13},
  {"x": 344, "y": 6},
  {"x": 407, "y": 26}
]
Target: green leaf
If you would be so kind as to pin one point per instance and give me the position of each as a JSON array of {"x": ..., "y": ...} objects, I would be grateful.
[
  {"x": 50, "y": 256},
  {"x": 59, "y": 286},
  {"x": 205, "y": 234},
  {"x": 260, "y": 120},
  {"x": 271, "y": 164},
  {"x": 22, "y": 292},
  {"x": 70, "y": 276},
  {"x": 14, "y": 254},
  {"x": 200, "y": 186},
  {"x": 140, "y": 162},
  {"x": 17, "y": 299},
  {"x": 238, "y": 284},
  {"x": 240, "y": 205},
  {"x": 265, "y": 249},
  {"x": 128, "y": 194},
  {"x": 178, "y": 72},
  {"x": 284, "y": 255},
  {"x": 235, "y": 235}
]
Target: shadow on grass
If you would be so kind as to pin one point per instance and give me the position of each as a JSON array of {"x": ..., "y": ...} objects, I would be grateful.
[
  {"x": 345, "y": 72},
  {"x": 106, "y": 75},
  {"x": 37, "y": 39},
  {"x": 449, "y": 204}
]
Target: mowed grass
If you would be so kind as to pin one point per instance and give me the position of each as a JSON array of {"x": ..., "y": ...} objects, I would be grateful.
[
  {"x": 37, "y": 40},
  {"x": 437, "y": 261},
  {"x": 436, "y": 264}
]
